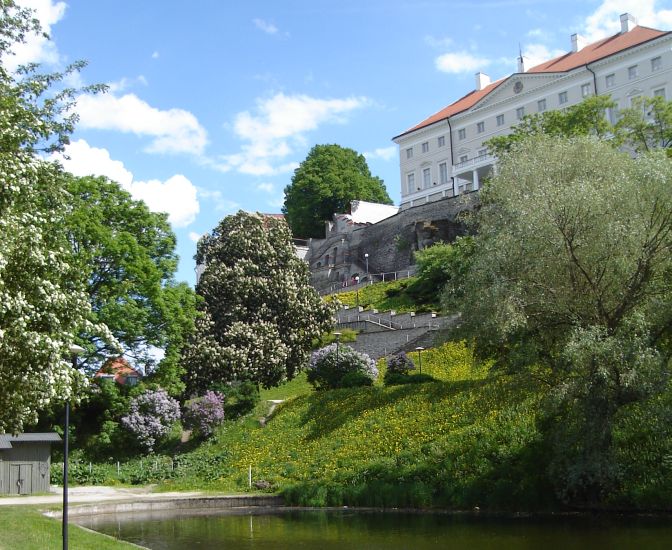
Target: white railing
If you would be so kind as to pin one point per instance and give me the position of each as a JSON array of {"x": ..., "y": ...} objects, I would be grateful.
[{"x": 474, "y": 162}]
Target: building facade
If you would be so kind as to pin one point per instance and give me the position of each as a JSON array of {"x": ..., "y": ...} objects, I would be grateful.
[{"x": 446, "y": 155}]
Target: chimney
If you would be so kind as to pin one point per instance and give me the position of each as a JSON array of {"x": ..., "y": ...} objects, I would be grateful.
[
  {"x": 628, "y": 22},
  {"x": 578, "y": 42},
  {"x": 482, "y": 80}
]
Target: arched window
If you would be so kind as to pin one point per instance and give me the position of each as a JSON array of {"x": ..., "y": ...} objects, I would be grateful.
[{"x": 326, "y": 260}]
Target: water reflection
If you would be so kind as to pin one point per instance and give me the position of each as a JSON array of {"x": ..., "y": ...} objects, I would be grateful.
[{"x": 281, "y": 529}]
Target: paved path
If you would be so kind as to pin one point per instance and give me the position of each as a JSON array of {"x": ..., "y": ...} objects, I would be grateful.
[{"x": 95, "y": 494}]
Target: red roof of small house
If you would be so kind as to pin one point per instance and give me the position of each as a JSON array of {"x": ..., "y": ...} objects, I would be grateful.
[
  {"x": 571, "y": 60},
  {"x": 119, "y": 368}
]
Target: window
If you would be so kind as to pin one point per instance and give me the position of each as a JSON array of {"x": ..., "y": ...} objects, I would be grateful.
[
  {"x": 520, "y": 113},
  {"x": 464, "y": 158},
  {"x": 500, "y": 120},
  {"x": 611, "y": 115},
  {"x": 482, "y": 152},
  {"x": 480, "y": 127},
  {"x": 443, "y": 173},
  {"x": 461, "y": 133},
  {"x": 610, "y": 80},
  {"x": 656, "y": 63},
  {"x": 426, "y": 178},
  {"x": 409, "y": 153},
  {"x": 442, "y": 141},
  {"x": 633, "y": 100},
  {"x": 562, "y": 98},
  {"x": 410, "y": 178},
  {"x": 541, "y": 105},
  {"x": 632, "y": 72},
  {"x": 425, "y": 147},
  {"x": 660, "y": 92},
  {"x": 585, "y": 90}
]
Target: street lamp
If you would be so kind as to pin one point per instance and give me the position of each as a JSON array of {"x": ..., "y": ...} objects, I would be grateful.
[
  {"x": 420, "y": 349},
  {"x": 366, "y": 257},
  {"x": 75, "y": 350},
  {"x": 357, "y": 291},
  {"x": 338, "y": 339}
]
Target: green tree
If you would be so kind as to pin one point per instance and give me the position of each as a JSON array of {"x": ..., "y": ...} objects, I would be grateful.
[
  {"x": 647, "y": 124},
  {"x": 325, "y": 183},
  {"x": 583, "y": 119},
  {"x": 127, "y": 256},
  {"x": 43, "y": 304},
  {"x": 259, "y": 313},
  {"x": 570, "y": 271}
]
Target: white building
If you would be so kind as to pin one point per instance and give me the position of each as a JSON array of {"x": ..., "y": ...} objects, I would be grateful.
[{"x": 444, "y": 155}]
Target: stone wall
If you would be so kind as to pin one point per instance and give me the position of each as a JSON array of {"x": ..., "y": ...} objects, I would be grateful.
[{"x": 389, "y": 243}]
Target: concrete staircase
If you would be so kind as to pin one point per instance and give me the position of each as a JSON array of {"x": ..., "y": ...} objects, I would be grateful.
[{"x": 385, "y": 333}]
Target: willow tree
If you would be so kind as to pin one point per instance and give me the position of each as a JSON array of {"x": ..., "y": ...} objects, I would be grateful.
[
  {"x": 571, "y": 272},
  {"x": 259, "y": 313}
]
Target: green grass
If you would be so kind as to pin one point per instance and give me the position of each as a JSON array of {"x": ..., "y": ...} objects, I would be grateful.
[
  {"x": 385, "y": 296},
  {"x": 25, "y": 528},
  {"x": 468, "y": 439}
]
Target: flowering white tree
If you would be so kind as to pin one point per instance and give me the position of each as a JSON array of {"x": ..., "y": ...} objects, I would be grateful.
[
  {"x": 42, "y": 302},
  {"x": 259, "y": 313}
]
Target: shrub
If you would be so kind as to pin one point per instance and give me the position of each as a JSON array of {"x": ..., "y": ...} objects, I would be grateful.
[
  {"x": 356, "y": 380},
  {"x": 329, "y": 366},
  {"x": 203, "y": 414},
  {"x": 400, "y": 364},
  {"x": 150, "y": 417}
]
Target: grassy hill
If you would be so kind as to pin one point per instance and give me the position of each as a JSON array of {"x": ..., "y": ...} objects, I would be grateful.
[
  {"x": 467, "y": 439},
  {"x": 385, "y": 296}
]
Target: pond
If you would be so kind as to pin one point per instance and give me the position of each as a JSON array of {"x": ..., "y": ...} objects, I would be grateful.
[{"x": 281, "y": 529}]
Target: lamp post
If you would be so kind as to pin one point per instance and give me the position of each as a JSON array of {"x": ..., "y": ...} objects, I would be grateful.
[
  {"x": 366, "y": 257},
  {"x": 420, "y": 349},
  {"x": 338, "y": 339},
  {"x": 74, "y": 351},
  {"x": 357, "y": 291}
]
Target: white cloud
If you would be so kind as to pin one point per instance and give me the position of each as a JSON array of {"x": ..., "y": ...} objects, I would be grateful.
[
  {"x": 37, "y": 49},
  {"x": 605, "y": 20},
  {"x": 173, "y": 131},
  {"x": 277, "y": 203},
  {"x": 438, "y": 42},
  {"x": 384, "y": 153},
  {"x": 193, "y": 236},
  {"x": 176, "y": 196},
  {"x": 460, "y": 62},
  {"x": 537, "y": 33},
  {"x": 125, "y": 83},
  {"x": 534, "y": 54},
  {"x": 155, "y": 55},
  {"x": 265, "y": 26},
  {"x": 278, "y": 125},
  {"x": 266, "y": 187},
  {"x": 85, "y": 160}
]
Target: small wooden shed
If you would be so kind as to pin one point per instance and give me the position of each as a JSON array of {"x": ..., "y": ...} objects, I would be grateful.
[{"x": 25, "y": 462}]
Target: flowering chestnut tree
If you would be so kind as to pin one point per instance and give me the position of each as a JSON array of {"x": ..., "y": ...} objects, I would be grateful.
[
  {"x": 151, "y": 416},
  {"x": 259, "y": 312}
]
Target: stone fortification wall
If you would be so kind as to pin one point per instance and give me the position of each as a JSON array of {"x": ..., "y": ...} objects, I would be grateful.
[{"x": 390, "y": 243}]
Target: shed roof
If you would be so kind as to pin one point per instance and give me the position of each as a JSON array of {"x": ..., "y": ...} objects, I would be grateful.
[{"x": 6, "y": 440}]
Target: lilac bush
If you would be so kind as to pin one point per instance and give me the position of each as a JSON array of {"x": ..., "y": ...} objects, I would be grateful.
[
  {"x": 400, "y": 363},
  {"x": 331, "y": 367},
  {"x": 150, "y": 417},
  {"x": 204, "y": 413}
]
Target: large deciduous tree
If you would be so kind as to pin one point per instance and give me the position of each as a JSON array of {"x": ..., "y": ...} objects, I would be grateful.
[
  {"x": 325, "y": 183},
  {"x": 127, "y": 255},
  {"x": 571, "y": 271},
  {"x": 43, "y": 304},
  {"x": 259, "y": 312}
]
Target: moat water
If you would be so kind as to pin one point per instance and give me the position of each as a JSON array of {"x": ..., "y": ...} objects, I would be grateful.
[{"x": 355, "y": 529}]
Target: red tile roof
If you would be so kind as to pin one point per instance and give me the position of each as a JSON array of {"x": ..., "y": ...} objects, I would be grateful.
[
  {"x": 588, "y": 54},
  {"x": 118, "y": 367}
]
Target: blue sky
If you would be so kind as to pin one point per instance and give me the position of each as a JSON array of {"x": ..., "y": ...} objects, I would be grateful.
[{"x": 213, "y": 103}]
